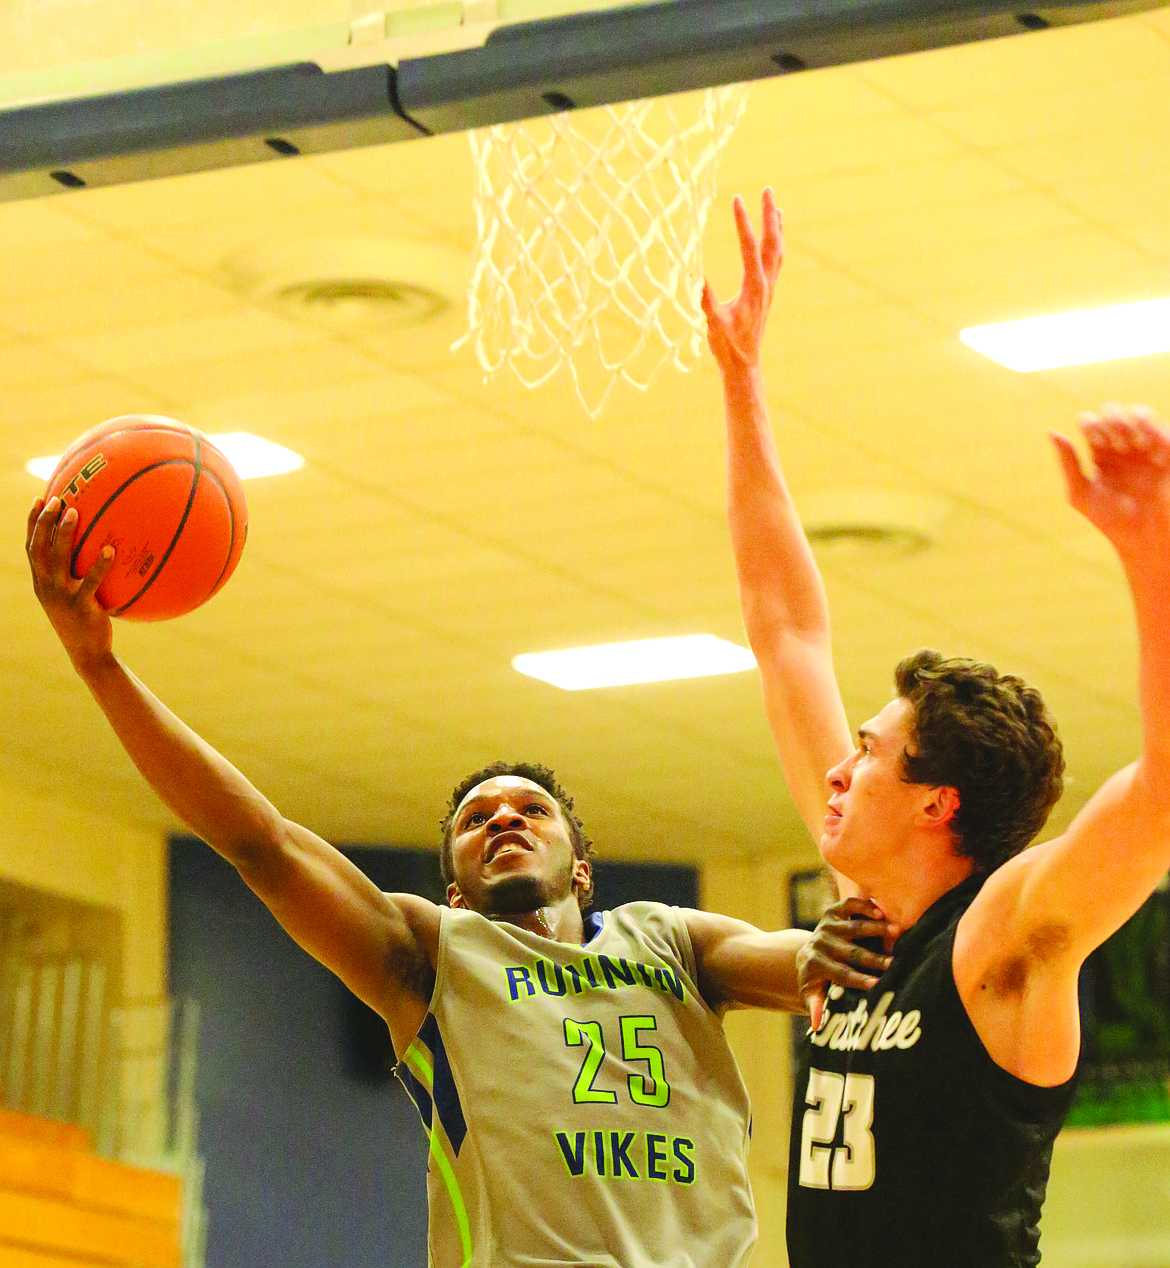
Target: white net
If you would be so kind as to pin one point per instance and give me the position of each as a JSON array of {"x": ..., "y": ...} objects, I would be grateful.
[{"x": 590, "y": 240}]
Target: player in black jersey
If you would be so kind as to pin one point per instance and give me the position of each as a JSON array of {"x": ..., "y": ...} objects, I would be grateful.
[{"x": 925, "y": 1107}]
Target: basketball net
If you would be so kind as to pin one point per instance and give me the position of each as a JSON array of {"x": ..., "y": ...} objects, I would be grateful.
[{"x": 590, "y": 240}]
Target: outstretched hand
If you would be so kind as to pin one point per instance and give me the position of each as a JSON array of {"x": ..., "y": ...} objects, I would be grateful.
[
  {"x": 832, "y": 956},
  {"x": 82, "y": 624},
  {"x": 735, "y": 329},
  {"x": 1127, "y": 494}
]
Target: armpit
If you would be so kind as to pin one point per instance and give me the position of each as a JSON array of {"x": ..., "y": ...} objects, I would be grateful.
[
  {"x": 412, "y": 971},
  {"x": 1009, "y": 975}
]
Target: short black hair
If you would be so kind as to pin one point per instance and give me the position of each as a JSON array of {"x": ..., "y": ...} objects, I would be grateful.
[
  {"x": 991, "y": 737},
  {"x": 544, "y": 778}
]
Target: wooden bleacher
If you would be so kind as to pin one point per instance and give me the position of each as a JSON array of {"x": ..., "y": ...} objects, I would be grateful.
[{"x": 62, "y": 1207}]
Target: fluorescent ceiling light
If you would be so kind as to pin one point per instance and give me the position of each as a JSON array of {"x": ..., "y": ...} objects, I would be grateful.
[
  {"x": 250, "y": 456},
  {"x": 647, "y": 660},
  {"x": 1094, "y": 334}
]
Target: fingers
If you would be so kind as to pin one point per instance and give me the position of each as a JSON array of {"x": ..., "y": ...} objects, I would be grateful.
[
  {"x": 61, "y": 543},
  {"x": 707, "y": 300},
  {"x": 771, "y": 236},
  {"x": 1075, "y": 479},
  {"x": 42, "y": 536},
  {"x": 34, "y": 514},
  {"x": 1108, "y": 431},
  {"x": 753, "y": 271},
  {"x": 849, "y": 907},
  {"x": 853, "y": 918},
  {"x": 1157, "y": 440},
  {"x": 840, "y": 974},
  {"x": 1122, "y": 430},
  {"x": 852, "y": 930},
  {"x": 97, "y": 574},
  {"x": 815, "y": 999},
  {"x": 847, "y": 952}
]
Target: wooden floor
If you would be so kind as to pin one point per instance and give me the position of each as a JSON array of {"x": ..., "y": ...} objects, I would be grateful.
[{"x": 62, "y": 1207}]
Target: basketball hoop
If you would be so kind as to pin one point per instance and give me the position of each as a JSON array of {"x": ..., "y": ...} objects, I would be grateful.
[{"x": 590, "y": 240}]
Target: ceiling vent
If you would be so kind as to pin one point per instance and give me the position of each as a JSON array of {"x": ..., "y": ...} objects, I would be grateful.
[
  {"x": 354, "y": 284},
  {"x": 872, "y": 523}
]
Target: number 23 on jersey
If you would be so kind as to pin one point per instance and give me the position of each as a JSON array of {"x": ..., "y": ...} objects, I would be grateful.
[{"x": 845, "y": 1099}]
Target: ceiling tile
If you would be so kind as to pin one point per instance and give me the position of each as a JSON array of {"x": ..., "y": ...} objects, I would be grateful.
[
  {"x": 1026, "y": 64},
  {"x": 261, "y": 195},
  {"x": 1070, "y": 116},
  {"x": 861, "y": 145}
]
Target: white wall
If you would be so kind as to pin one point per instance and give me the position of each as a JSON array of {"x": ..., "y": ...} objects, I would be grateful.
[{"x": 63, "y": 849}]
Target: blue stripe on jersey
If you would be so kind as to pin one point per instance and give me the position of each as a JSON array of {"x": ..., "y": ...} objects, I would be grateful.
[
  {"x": 444, "y": 1092},
  {"x": 416, "y": 1091}
]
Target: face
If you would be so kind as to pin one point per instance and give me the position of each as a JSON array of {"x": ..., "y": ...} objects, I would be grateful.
[
  {"x": 510, "y": 849},
  {"x": 872, "y": 808}
]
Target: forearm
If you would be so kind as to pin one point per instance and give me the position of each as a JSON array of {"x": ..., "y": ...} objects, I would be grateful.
[
  {"x": 211, "y": 797},
  {"x": 1149, "y": 580},
  {"x": 780, "y": 584},
  {"x": 756, "y": 970}
]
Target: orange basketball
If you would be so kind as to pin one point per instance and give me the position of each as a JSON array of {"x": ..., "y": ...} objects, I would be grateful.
[{"x": 167, "y": 501}]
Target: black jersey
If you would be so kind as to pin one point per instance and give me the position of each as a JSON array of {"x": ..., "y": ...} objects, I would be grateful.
[{"x": 910, "y": 1146}]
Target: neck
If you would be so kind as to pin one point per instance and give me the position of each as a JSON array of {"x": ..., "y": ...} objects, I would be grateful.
[
  {"x": 904, "y": 904},
  {"x": 561, "y": 921}
]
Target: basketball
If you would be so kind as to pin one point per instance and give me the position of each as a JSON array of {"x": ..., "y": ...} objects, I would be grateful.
[{"x": 167, "y": 501}]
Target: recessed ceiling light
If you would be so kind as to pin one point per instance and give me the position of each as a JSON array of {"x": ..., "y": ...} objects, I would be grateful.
[
  {"x": 646, "y": 660},
  {"x": 250, "y": 455},
  {"x": 1092, "y": 334}
]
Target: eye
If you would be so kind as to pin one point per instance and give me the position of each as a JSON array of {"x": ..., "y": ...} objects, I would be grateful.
[
  {"x": 474, "y": 818},
  {"x": 535, "y": 807}
]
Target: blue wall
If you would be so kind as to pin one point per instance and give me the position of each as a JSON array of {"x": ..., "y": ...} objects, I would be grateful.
[{"x": 314, "y": 1158}]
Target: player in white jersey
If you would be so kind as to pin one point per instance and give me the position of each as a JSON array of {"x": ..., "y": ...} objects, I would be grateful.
[
  {"x": 928, "y": 1104},
  {"x": 582, "y": 1103}
]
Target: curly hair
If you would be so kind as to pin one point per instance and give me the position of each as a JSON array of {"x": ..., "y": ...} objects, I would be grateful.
[
  {"x": 544, "y": 778},
  {"x": 991, "y": 737}
]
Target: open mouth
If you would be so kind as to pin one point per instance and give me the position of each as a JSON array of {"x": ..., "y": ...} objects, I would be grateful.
[{"x": 508, "y": 843}]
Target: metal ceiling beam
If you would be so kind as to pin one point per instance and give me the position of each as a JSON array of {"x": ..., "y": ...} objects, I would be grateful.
[{"x": 520, "y": 71}]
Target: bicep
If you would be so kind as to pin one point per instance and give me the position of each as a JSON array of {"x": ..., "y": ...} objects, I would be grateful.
[
  {"x": 382, "y": 946},
  {"x": 1100, "y": 871},
  {"x": 1042, "y": 913}
]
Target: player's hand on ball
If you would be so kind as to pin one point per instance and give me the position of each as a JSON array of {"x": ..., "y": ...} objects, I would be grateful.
[
  {"x": 82, "y": 624},
  {"x": 831, "y": 957}
]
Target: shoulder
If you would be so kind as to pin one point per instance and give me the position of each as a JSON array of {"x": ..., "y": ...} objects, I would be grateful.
[
  {"x": 649, "y": 919},
  {"x": 1004, "y": 924},
  {"x": 644, "y": 912},
  {"x": 1017, "y": 976},
  {"x": 659, "y": 927}
]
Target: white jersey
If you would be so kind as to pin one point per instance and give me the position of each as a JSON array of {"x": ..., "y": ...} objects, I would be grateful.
[{"x": 582, "y": 1102}]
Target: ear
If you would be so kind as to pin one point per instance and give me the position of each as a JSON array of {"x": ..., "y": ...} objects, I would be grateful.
[
  {"x": 941, "y": 807},
  {"x": 454, "y": 897},
  {"x": 582, "y": 873}
]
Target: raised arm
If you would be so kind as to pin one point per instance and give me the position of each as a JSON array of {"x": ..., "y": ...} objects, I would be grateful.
[
  {"x": 382, "y": 946},
  {"x": 785, "y": 609},
  {"x": 1020, "y": 946}
]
